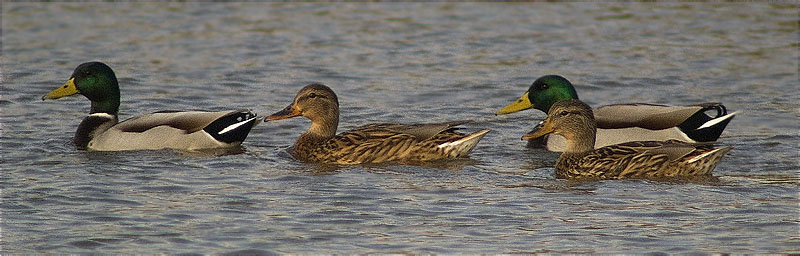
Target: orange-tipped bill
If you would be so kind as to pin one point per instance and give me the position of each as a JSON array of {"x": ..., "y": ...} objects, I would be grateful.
[
  {"x": 542, "y": 129},
  {"x": 287, "y": 112},
  {"x": 65, "y": 90}
]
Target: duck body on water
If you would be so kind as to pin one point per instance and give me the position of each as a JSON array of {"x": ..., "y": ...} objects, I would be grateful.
[
  {"x": 620, "y": 123},
  {"x": 571, "y": 119},
  {"x": 655, "y": 160},
  {"x": 371, "y": 143},
  {"x": 181, "y": 130}
]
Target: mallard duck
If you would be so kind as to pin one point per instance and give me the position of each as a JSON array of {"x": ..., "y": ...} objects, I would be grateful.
[
  {"x": 183, "y": 130},
  {"x": 372, "y": 143},
  {"x": 574, "y": 120},
  {"x": 620, "y": 123}
]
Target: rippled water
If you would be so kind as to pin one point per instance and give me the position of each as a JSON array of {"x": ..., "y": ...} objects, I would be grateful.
[{"x": 407, "y": 62}]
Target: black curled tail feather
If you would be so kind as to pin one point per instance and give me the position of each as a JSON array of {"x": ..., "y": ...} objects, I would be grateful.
[
  {"x": 721, "y": 110},
  {"x": 233, "y": 127},
  {"x": 692, "y": 126}
]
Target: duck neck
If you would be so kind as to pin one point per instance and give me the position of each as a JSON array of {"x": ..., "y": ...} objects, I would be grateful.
[
  {"x": 104, "y": 94},
  {"x": 108, "y": 106},
  {"x": 323, "y": 127},
  {"x": 580, "y": 141}
]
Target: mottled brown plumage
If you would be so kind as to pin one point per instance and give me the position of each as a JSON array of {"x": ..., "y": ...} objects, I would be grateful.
[
  {"x": 574, "y": 120},
  {"x": 372, "y": 143}
]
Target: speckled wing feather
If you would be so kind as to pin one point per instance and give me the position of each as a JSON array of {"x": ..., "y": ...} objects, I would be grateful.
[
  {"x": 604, "y": 163},
  {"x": 371, "y": 144},
  {"x": 641, "y": 159},
  {"x": 420, "y": 131},
  {"x": 383, "y": 142}
]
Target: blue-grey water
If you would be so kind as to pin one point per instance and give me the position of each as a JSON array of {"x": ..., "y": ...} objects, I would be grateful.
[{"x": 407, "y": 62}]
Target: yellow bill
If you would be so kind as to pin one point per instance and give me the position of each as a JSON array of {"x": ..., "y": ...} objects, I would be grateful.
[
  {"x": 520, "y": 104},
  {"x": 65, "y": 90}
]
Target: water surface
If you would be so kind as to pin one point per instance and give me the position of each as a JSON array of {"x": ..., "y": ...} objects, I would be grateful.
[{"x": 404, "y": 62}]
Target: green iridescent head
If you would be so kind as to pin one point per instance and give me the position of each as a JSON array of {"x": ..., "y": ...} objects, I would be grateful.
[
  {"x": 543, "y": 93},
  {"x": 97, "y": 82}
]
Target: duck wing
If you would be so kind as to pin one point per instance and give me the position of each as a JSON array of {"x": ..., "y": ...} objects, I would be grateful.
[
  {"x": 374, "y": 143},
  {"x": 187, "y": 121},
  {"x": 649, "y": 116},
  {"x": 419, "y": 131},
  {"x": 644, "y": 159},
  {"x": 186, "y": 130}
]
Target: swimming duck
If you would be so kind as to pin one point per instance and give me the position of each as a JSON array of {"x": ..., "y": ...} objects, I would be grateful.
[
  {"x": 372, "y": 143},
  {"x": 657, "y": 160},
  {"x": 620, "y": 123},
  {"x": 183, "y": 130}
]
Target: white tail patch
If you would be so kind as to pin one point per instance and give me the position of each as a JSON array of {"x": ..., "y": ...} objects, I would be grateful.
[
  {"x": 474, "y": 138},
  {"x": 714, "y": 121},
  {"x": 236, "y": 125},
  {"x": 703, "y": 155}
]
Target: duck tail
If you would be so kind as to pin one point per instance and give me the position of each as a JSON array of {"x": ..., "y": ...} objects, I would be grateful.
[
  {"x": 715, "y": 153},
  {"x": 233, "y": 127},
  {"x": 463, "y": 146},
  {"x": 702, "y": 127},
  {"x": 705, "y": 162}
]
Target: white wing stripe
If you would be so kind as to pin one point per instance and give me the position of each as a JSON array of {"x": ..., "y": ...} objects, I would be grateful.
[
  {"x": 234, "y": 126},
  {"x": 716, "y": 120}
]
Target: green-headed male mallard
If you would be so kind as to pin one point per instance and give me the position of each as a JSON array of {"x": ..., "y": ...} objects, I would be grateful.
[
  {"x": 183, "y": 130},
  {"x": 621, "y": 123},
  {"x": 574, "y": 120},
  {"x": 372, "y": 143}
]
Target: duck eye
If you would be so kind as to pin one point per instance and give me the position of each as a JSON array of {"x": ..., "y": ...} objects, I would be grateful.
[
  {"x": 312, "y": 95},
  {"x": 563, "y": 113},
  {"x": 541, "y": 86}
]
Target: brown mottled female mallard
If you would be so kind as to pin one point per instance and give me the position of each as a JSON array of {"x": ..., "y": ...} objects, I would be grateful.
[
  {"x": 372, "y": 143},
  {"x": 574, "y": 120},
  {"x": 183, "y": 130},
  {"x": 619, "y": 123}
]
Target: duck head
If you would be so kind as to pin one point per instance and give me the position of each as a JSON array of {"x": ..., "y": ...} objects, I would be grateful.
[
  {"x": 572, "y": 119},
  {"x": 542, "y": 94},
  {"x": 316, "y": 102},
  {"x": 97, "y": 82}
]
